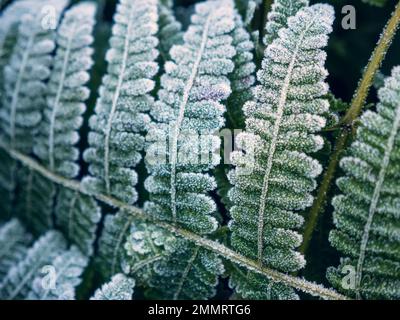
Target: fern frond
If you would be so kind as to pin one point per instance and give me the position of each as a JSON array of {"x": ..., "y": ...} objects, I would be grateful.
[
  {"x": 112, "y": 241},
  {"x": 366, "y": 214},
  {"x": 77, "y": 216},
  {"x": 18, "y": 281},
  {"x": 119, "y": 288},
  {"x": 66, "y": 92},
  {"x": 68, "y": 268},
  {"x": 62, "y": 118},
  {"x": 281, "y": 11},
  {"x": 120, "y": 115},
  {"x": 189, "y": 104},
  {"x": 25, "y": 78},
  {"x": 274, "y": 176},
  {"x": 14, "y": 242},
  {"x": 26, "y": 47}
]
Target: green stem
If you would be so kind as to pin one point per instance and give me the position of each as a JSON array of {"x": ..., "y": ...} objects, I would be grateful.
[{"x": 349, "y": 120}]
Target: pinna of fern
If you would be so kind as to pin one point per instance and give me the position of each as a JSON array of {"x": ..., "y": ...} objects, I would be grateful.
[
  {"x": 189, "y": 104},
  {"x": 366, "y": 214},
  {"x": 274, "y": 177},
  {"x": 29, "y": 62},
  {"x": 116, "y": 136},
  {"x": 58, "y": 134}
]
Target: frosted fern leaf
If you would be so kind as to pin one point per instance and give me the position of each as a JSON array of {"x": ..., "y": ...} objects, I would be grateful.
[
  {"x": 29, "y": 60},
  {"x": 18, "y": 281},
  {"x": 68, "y": 269},
  {"x": 14, "y": 242},
  {"x": 25, "y": 76},
  {"x": 273, "y": 176},
  {"x": 58, "y": 133},
  {"x": 119, "y": 288},
  {"x": 66, "y": 92},
  {"x": 367, "y": 212},
  {"x": 121, "y": 112},
  {"x": 189, "y": 104}
]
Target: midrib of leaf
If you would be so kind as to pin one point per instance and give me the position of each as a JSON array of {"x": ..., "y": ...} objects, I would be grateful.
[
  {"x": 375, "y": 199},
  {"x": 17, "y": 89},
  {"x": 181, "y": 115},
  {"x": 272, "y": 149},
  {"x": 203, "y": 242},
  {"x": 186, "y": 273},
  {"x": 119, "y": 244},
  {"x": 58, "y": 98},
  {"x": 115, "y": 102}
]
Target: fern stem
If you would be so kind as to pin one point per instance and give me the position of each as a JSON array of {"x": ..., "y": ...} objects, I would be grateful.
[
  {"x": 218, "y": 248},
  {"x": 352, "y": 114},
  {"x": 373, "y": 66}
]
